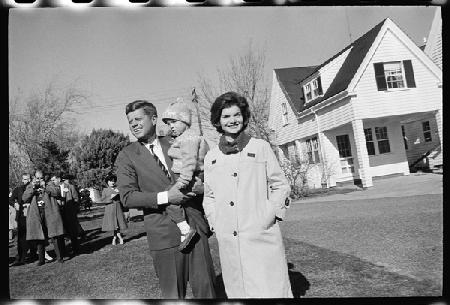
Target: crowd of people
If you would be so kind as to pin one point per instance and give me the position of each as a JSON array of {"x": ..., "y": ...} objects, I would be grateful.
[
  {"x": 188, "y": 192},
  {"x": 46, "y": 208}
]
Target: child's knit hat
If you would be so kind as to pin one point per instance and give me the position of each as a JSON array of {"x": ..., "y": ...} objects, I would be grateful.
[{"x": 178, "y": 110}]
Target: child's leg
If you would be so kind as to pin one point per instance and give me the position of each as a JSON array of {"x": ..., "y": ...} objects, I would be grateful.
[
  {"x": 119, "y": 236},
  {"x": 176, "y": 214}
]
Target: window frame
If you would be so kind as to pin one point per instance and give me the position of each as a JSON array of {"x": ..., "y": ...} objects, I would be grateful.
[
  {"x": 312, "y": 89},
  {"x": 312, "y": 150},
  {"x": 369, "y": 141},
  {"x": 426, "y": 138},
  {"x": 405, "y": 139},
  {"x": 402, "y": 74},
  {"x": 381, "y": 141},
  {"x": 284, "y": 114}
]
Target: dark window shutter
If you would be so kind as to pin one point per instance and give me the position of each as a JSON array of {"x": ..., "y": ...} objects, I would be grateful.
[
  {"x": 319, "y": 83},
  {"x": 409, "y": 73},
  {"x": 379, "y": 76}
]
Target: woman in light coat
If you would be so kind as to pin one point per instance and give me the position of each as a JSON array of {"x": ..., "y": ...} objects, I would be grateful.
[
  {"x": 245, "y": 197},
  {"x": 113, "y": 219}
]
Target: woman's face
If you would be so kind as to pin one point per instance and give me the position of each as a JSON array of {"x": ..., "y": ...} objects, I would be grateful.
[
  {"x": 231, "y": 120},
  {"x": 111, "y": 183}
]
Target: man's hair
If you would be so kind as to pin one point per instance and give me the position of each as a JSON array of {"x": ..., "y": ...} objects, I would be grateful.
[
  {"x": 26, "y": 174},
  {"x": 56, "y": 175},
  {"x": 148, "y": 107},
  {"x": 227, "y": 100}
]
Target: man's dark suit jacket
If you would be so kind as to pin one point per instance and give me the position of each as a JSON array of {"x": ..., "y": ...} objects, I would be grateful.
[{"x": 139, "y": 180}]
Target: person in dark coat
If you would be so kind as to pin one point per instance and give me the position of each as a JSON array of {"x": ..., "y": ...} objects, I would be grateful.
[
  {"x": 143, "y": 176},
  {"x": 113, "y": 218},
  {"x": 68, "y": 201},
  {"x": 43, "y": 216},
  {"x": 16, "y": 201}
]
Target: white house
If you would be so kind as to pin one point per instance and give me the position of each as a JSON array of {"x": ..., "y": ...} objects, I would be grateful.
[
  {"x": 373, "y": 109},
  {"x": 433, "y": 47}
]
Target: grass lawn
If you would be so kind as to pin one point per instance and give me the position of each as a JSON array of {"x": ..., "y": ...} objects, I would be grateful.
[{"x": 126, "y": 271}]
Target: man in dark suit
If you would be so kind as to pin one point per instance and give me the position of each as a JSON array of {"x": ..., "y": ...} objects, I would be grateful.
[
  {"x": 69, "y": 209},
  {"x": 16, "y": 201},
  {"x": 143, "y": 178}
]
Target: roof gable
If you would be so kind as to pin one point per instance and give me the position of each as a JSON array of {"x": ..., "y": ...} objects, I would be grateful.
[
  {"x": 289, "y": 80},
  {"x": 359, "y": 49}
]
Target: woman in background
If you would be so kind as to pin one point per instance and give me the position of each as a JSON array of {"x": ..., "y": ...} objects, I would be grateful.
[{"x": 113, "y": 219}]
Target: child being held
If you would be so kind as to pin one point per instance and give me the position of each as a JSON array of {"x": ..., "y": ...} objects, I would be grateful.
[{"x": 188, "y": 152}]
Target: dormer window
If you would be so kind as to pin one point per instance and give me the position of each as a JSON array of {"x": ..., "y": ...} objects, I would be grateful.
[
  {"x": 312, "y": 89},
  {"x": 308, "y": 92}
]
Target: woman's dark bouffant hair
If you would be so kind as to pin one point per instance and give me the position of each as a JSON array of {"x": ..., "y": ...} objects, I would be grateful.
[
  {"x": 110, "y": 177},
  {"x": 227, "y": 100}
]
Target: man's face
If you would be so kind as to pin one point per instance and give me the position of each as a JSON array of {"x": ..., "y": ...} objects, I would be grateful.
[
  {"x": 26, "y": 179},
  {"x": 38, "y": 178},
  {"x": 142, "y": 125},
  {"x": 56, "y": 180}
]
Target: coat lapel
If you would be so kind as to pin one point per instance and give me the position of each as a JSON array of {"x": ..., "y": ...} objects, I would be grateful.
[{"x": 146, "y": 157}]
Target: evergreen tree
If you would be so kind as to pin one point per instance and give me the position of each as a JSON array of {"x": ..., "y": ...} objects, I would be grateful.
[{"x": 95, "y": 156}]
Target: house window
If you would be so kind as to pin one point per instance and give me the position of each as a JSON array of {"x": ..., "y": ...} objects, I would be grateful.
[
  {"x": 312, "y": 150},
  {"x": 394, "y": 75},
  {"x": 426, "y": 131},
  {"x": 369, "y": 141},
  {"x": 308, "y": 93},
  {"x": 405, "y": 139},
  {"x": 345, "y": 154},
  {"x": 313, "y": 89},
  {"x": 284, "y": 114},
  {"x": 382, "y": 139}
]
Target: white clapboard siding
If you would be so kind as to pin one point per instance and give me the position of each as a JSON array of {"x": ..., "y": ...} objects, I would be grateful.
[
  {"x": 433, "y": 47},
  {"x": 283, "y": 133},
  {"x": 329, "y": 71},
  {"x": 416, "y": 141},
  {"x": 335, "y": 115},
  {"x": 372, "y": 103}
]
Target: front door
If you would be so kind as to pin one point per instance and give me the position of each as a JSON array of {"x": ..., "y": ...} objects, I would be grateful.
[{"x": 345, "y": 154}]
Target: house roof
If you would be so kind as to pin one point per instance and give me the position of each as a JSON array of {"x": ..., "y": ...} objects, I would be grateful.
[
  {"x": 289, "y": 79},
  {"x": 344, "y": 76}
]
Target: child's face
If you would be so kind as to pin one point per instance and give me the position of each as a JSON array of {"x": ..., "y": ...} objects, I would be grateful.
[
  {"x": 111, "y": 183},
  {"x": 177, "y": 127}
]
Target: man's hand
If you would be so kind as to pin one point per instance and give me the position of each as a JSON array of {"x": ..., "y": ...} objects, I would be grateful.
[{"x": 175, "y": 196}]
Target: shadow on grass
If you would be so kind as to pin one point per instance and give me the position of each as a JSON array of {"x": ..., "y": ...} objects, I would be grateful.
[
  {"x": 89, "y": 217},
  {"x": 135, "y": 236},
  {"x": 299, "y": 283}
]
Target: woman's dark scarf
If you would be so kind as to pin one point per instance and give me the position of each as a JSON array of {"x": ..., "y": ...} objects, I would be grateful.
[{"x": 236, "y": 146}]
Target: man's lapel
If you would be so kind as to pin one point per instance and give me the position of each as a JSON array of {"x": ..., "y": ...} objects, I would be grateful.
[
  {"x": 147, "y": 159},
  {"x": 165, "y": 145}
]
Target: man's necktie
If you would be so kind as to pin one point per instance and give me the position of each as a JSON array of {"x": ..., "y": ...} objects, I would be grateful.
[{"x": 161, "y": 165}]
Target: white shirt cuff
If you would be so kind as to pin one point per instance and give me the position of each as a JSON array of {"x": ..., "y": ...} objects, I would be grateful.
[{"x": 163, "y": 198}]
